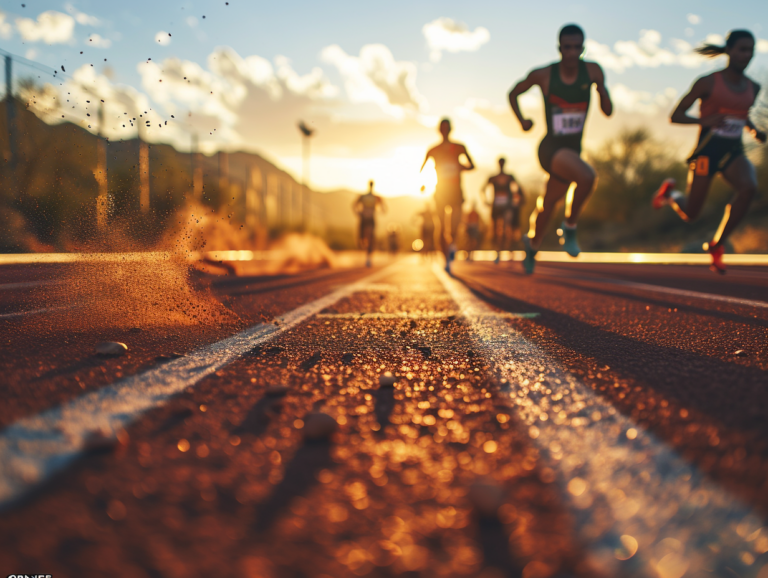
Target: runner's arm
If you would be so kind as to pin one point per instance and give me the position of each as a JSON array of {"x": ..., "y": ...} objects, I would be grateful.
[
  {"x": 471, "y": 165},
  {"x": 382, "y": 204},
  {"x": 756, "y": 132},
  {"x": 598, "y": 77},
  {"x": 534, "y": 78},
  {"x": 426, "y": 158},
  {"x": 700, "y": 89}
]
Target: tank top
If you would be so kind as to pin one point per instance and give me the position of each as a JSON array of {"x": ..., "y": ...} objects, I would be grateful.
[
  {"x": 447, "y": 165},
  {"x": 368, "y": 202},
  {"x": 566, "y": 105},
  {"x": 735, "y": 105}
]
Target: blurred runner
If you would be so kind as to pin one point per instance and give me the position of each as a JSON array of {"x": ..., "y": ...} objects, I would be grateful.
[
  {"x": 365, "y": 206},
  {"x": 505, "y": 204},
  {"x": 566, "y": 88},
  {"x": 427, "y": 230},
  {"x": 472, "y": 228},
  {"x": 393, "y": 238},
  {"x": 448, "y": 194},
  {"x": 726, "y": 97}
]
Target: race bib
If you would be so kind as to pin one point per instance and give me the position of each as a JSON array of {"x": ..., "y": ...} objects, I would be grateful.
[
  {"x": 732, "y": 127},
  {"x": 500, "y": 200},
  {"x": 569, "y": 122}
]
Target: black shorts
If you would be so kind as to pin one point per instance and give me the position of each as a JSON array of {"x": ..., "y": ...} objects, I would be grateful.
[
  {"x": 501, "y": 212},
  {"x": 367, "y": 223},
  {"x": 714, "y": 154},
  {"x": 551, "y": 144}
]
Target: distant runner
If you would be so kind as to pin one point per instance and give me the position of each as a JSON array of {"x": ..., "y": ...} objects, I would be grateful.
[
  {"x": 365, "y": 206},
  {"x": 472, "y": 229},
  {"x": 566, "y": 88},
  {"x": 448, "y": 194},
  {"x": 726, "y": 97},
  {"x": 505, "y": 208},
  {"x": 427, "y": 230}
]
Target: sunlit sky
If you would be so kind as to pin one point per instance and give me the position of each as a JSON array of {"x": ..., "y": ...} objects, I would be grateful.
[{"x": 372, "y": 78}]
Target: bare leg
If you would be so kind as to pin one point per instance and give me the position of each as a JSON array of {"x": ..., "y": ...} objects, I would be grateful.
[
  {"x": 741, "y": 175},
  {"x": 689, "y": 207},
  {"x": 569, "y": 167}
]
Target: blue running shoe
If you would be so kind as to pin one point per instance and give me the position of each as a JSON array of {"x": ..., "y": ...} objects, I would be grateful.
[
  {"x": 568, "y": 239},
  {"x": 530, "y": 256}
]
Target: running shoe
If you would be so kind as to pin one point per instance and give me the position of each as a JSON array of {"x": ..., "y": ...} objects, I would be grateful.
[
  {"x": 498, "y": 257},
  {"x": 569, "y": 243},
  {"x": 368, "y": 261},
  {"x": 717, "y": 253},
  {"x": 450, "y": 257},
  {"x": 662, "y": 196},
  {"x": 530, "y": 256}
]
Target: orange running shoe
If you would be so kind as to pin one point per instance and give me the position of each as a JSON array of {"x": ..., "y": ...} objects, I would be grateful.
[
  {"x": 717, "y": 259},
  {"x": 661, "y": 197}
]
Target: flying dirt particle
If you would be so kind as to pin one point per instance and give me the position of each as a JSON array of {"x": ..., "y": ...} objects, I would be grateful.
[
  {"x": 387, "y": 380},
  {"x": 111, "y": 349},
  {"x": 740, "y": 353},
  {"x": 319, "y": 426},
  {"x": 62, "y": 68}
]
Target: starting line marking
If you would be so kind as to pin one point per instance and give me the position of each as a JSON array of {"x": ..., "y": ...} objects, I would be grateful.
[
  {"x": 34, "y": 448},
  {"x": 628, "y": 491}
]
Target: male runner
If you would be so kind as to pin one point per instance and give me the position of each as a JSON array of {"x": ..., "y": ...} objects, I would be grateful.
[
  {"x": 448, "y": 195},
  {"x": 505, "y": 207},
  {"x": 726, "y": 97},
  {"x": 427, "y": 230},
  {"x": 365, "y": 206},
  {"x": 566, "y": 88}
]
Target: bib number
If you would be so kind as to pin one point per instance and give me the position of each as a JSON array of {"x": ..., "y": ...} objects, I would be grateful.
[
  {"x": 569, "y": 122},
  {"x": 500, "y": 200},
  {"x": 732, "y": 127}
]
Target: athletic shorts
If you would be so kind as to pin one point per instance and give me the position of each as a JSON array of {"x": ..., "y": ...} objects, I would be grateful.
[
  {"x": 501, "y": 212},
  {"x": 714, "y": 154},
  {"x": 473, "y": 231},
  {"x": 550, "y": 145},
  {"x": 451, "y": 195},
  {"x": 366, "y": 223}
]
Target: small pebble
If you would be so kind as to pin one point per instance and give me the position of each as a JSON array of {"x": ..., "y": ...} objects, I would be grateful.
[
  {"x": 740, "y": 353},
  {"x": 319, "y": 426},
  {"x": 347, "y": 358},
  {"x": 487, "y": 497},
  {"x": 387, "y": 379},
  {"x": 135, "y": 330},
  {"x": 111, "y": 349}
]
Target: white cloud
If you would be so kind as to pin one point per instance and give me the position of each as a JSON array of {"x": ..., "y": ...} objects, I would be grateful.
[
  {"x": 191, "y": 21},
  {"x": 163, "y": 38},
  {"x": 6, "y": 30},
  {"x": 448, "y": 35},
  {"x": 647, "y": 52},
  {"x": 97, "y": 41},
  {"x": 51, "y": 27},
  {"x": 642, "y": 102},
  {"x": 694, "y": 19},
  {"x": 30, "y": 54},
  {"x": 81, "y": 17},
  {"x": 376, "y": 77},
  {"x": 762, "y": 46}
]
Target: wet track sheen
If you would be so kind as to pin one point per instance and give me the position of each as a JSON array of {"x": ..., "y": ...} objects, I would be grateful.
[{"x": 573, "y": 423}]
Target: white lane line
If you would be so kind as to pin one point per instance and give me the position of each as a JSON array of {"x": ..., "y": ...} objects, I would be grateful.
[
  {"x": 35, "y": 312},
  {"x": 668, "y": 290},
  {"x": 424, "y": 316},
  {"x": 34, "y": 448},
  {"x": 627, "y": 490},
  {"x": 28, "y": 284}
]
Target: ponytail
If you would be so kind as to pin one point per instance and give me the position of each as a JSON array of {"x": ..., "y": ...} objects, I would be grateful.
[{"x": 713, "y": 50}]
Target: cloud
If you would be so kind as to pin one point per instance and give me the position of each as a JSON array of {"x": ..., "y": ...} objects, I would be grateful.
[
  {"x": 642, "y": 102},
  {"x": 163, "y": 38},
  {"x": 694, "y": 19},
  {"x": 51, "y": 27},
  {"x": 191, "y": 21},
  {"x": 6, "y": 30},
  {"x": 644, "y": 53},
  {"x": 97, "y": 41},
  {"x": 376, "y": 77},
  {"x": 448, "y": 35},
  {"x": 762, "y": 46},
  {"x": 81, "y": 17}
]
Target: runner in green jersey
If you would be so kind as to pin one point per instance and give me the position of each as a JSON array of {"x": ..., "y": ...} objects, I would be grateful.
[{"x": 566, "y": 87}]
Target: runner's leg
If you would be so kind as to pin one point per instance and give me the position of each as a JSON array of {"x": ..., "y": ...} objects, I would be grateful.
[
  {"x": 568, "y": 165},
  {"x": 741, "y": 175},
  {"x": 556, "y": 190},
  {"x": 689, "y": 206}
]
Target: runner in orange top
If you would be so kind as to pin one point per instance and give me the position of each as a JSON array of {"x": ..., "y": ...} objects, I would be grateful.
[
  {"x": 726, "y": 97},
  {"x": 448, "y": 194},
  {"x": 365, "y": 206}
]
